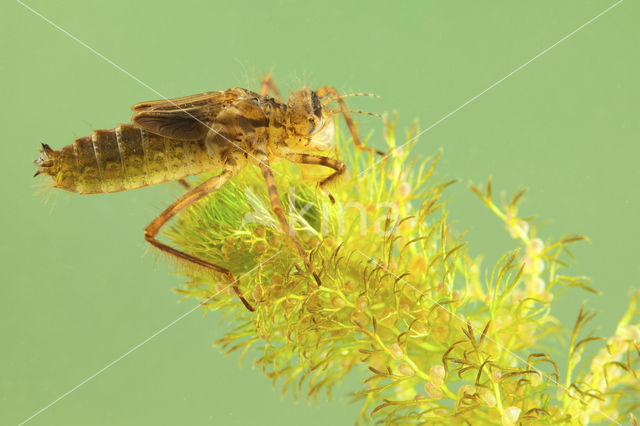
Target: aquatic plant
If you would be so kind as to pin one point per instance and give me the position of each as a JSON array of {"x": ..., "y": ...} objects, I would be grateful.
[{"x": 433, "y": 335}]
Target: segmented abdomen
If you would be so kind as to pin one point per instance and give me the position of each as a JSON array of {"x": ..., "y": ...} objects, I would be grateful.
[{"x": 127, "y": 158}]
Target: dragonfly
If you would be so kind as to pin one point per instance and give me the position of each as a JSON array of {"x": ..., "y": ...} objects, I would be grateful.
[{"x": 226, "y": 130}]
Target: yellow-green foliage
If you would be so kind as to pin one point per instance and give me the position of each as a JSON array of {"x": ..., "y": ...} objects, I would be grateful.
[{"x": 434, "y": 337}]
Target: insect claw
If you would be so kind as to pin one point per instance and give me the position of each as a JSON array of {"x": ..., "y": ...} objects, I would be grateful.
[
  {"x": 327, "y": 193},
  {"x": 315, "y": 276},
  {"x": 36, "y": 173},
  {"x": 243, "y": 300}
]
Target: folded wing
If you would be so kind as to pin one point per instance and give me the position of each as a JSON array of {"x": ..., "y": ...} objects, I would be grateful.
[{"x": 186, "y": 118}]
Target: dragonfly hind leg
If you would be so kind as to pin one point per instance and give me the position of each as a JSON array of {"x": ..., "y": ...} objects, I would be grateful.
[{"x": 195, "y": 194}]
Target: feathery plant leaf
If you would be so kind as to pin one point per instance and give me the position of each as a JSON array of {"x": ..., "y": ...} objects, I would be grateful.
[{"x": 434, "y": 337}]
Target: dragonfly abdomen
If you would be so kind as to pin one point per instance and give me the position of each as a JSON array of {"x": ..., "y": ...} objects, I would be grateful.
[{"x": 123, "y": 158}]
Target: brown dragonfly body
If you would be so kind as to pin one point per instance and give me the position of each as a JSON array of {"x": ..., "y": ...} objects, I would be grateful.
[
  {"x": 224, "y": 130},
  {"x": 124, "y": 158}
]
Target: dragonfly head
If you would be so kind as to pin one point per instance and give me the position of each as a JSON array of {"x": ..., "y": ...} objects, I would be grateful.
[{"x": 309, "y": 120}]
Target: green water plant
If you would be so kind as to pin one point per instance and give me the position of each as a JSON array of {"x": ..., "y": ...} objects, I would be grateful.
[{"x": 432, "y": 336}]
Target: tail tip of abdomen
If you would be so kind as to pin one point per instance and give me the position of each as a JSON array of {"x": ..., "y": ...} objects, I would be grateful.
[{"x": 45, "y": 160}]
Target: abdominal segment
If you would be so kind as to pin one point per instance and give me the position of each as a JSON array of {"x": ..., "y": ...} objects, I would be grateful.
[{"x": 123, "y": 158}]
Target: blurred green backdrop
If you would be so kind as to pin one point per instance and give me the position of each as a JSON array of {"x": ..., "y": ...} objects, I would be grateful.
[{"x": 77, "y": 289}]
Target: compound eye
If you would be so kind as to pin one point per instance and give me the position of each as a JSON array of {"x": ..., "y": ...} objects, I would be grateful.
[{"x": 315, "y": 126}]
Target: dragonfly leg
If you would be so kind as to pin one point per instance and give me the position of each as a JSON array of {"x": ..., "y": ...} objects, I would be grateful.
[
  {"x": 195, "y": 194},
  {"x": 276, "y": 206},
  {"x": 332, "y": 163},
  {"x": 330, "y": 90},
  {"x": 183, "y": 183},
  {"x": 269, "y": 85}
]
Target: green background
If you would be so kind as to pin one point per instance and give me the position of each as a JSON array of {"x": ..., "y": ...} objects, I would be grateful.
[{"x": 77, "y": 290}]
